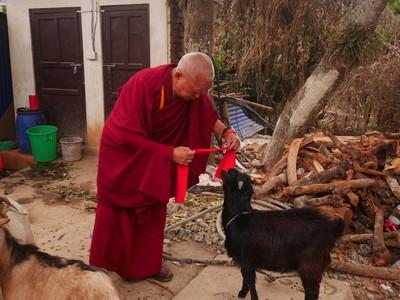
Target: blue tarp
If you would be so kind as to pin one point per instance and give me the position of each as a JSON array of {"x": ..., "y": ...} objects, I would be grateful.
[{"x": 240, "y": 122}]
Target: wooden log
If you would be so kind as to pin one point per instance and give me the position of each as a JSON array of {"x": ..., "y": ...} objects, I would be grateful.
[
  {"x": 366, "y": 271},
  {"x": 328, "y": 187},
  {"x": 392, "y": 244},
  {"x": 292, "y": 161},
  {"x": 355, "y": 153},
  {"x": 383, "y": 192},
  {"x": 358, "y": 226},
  {"x": 323, "y": 150},
  {"x": 307, "y": 163},
  {"x": 310, "y": 177},
  {"x": 393, "y": 185},
  {"x": 270, "y": 185},
  {"x": 320, "y": 201},
  {"x": 277, "y": 168},
  {"x": 363, "y": 237},
  {"x": 317, "y": 165},
  {"x": 315, "y": 156},
  {"x": 381, "y": 254},
  {"x": 358, "y": 168},
  {"x": 336, "y": 172},
  {"x": 353, "y": 198}
]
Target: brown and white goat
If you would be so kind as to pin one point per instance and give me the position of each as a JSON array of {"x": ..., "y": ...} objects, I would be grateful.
[{"x": 28, "y": 273}]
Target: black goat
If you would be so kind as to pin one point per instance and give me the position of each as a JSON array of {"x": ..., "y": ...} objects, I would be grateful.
[{"x": 295, "y": 239}]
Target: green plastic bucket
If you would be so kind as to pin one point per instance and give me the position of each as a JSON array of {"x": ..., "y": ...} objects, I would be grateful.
[{"x": 43, "y": 141}]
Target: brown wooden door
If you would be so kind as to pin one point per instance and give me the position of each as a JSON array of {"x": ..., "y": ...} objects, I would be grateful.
[
  {"x": 57, "y": 52},
  {"x": 126, "y": 47}
]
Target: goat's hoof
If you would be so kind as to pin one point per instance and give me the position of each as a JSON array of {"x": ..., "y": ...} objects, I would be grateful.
[{"x": 242, "y": 294}]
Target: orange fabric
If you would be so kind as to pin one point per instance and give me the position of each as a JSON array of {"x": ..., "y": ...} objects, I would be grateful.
[{"x": 162, "y": 98}]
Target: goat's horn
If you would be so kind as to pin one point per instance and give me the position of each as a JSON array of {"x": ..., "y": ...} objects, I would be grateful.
[
  {"x": 5, "y": 200},
  {"x": 4, "y": 221},
  {"x": 240, "y": 185}
]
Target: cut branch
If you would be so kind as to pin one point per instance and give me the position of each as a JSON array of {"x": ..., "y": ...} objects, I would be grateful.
[
  {"x": 366, "y": 271},
  {"x": 270, "y": 185},
  {"x": 292, "y": 161},
  {"x": 363, "y": 237},
  {"x": 382, "y": 256},
  {"x": 328, "y": 187}
]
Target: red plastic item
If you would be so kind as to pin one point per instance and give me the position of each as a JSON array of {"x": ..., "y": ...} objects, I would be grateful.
[
  {"x": 227, "y": 162},
  {"x": 34, "y": 102},
  {"x": 1, "y": 164},
  {"x": 181, "y": 183}
]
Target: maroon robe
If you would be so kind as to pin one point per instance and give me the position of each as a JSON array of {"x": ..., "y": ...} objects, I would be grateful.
[{"x": 136, "y": 174}]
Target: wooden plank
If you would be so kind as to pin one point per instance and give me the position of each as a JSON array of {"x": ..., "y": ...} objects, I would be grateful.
[
  {"x": 318, "y": 166},
  {"x": 292, "y": 160}
]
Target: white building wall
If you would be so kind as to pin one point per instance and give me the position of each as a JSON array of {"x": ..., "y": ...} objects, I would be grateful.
[{"x": 22, "y": 58}]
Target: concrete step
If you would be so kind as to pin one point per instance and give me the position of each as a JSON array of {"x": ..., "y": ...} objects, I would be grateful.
[{"x": 223, "y": 282}]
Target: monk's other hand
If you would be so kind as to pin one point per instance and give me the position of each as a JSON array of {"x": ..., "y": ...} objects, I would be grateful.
[
  {"x": 182, "y": 155},
  {"x": 232, "y": 141}
]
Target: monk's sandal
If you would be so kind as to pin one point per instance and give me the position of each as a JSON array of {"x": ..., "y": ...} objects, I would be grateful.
[{"x": 165, "y": 275}]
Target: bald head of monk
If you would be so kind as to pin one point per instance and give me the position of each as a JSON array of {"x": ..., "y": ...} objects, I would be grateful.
[{"x": 193, "y": 75}]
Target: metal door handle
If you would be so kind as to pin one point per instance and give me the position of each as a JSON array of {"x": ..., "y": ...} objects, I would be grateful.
[
  {"x": 109, "y": 66},
  {"x": 75, "y": 68}
]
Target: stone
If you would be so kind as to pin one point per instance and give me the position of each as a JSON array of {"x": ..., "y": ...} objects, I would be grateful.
[{"x": 222, "y": 282}]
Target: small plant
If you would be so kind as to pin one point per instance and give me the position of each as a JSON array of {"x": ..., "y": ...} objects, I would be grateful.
[{"x": 353, "y": 45}]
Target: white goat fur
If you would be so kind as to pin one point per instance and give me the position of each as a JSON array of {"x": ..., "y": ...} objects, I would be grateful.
[{"x": 34, "y": 279}]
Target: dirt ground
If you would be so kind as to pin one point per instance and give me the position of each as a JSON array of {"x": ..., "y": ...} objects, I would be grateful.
[
  {"x": 61, "y": 211},
  {"x": 62, "y": 223}
]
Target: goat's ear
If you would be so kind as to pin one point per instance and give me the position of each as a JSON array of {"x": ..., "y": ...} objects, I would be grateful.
[
  {"x": 3, "y": 209},
  {"x": 240, "y": 185}
]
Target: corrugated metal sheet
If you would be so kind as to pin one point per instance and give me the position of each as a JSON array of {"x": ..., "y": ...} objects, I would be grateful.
[{"x": 242, "y": 124}]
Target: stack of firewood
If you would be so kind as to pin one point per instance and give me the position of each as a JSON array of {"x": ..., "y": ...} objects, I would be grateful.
[{"x": 351, "y": 177}]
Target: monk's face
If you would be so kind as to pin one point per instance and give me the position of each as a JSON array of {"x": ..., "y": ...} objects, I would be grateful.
[{"x": 187, "y": 88}]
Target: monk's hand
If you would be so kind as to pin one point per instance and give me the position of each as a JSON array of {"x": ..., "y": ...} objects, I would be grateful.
[
  {"x": 182, "y": 155},
  {"x": 232, "y": 141}
]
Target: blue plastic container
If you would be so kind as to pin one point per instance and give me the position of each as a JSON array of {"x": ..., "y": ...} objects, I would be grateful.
[{"x": 27, "y": 119}]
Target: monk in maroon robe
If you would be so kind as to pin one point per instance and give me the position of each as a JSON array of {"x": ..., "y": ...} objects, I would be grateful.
[{"x": 161, "y": 114}]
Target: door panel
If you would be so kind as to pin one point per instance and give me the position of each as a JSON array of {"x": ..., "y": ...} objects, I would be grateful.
[
  {"x": 57, "y": 51},
  {"x": 126, "y": 47}
]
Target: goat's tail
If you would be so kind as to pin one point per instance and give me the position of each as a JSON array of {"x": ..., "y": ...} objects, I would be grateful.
[{"x": 338, "y": 227}]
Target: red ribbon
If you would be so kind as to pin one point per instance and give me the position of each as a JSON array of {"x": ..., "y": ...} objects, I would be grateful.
[{"x": 227, "y": 162}]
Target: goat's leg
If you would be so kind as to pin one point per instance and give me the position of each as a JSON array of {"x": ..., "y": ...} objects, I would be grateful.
[
  {"x": 249, "y": 283},
  {"x": 245, "y": 288},
  {"x": 310, "y": 272}
]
